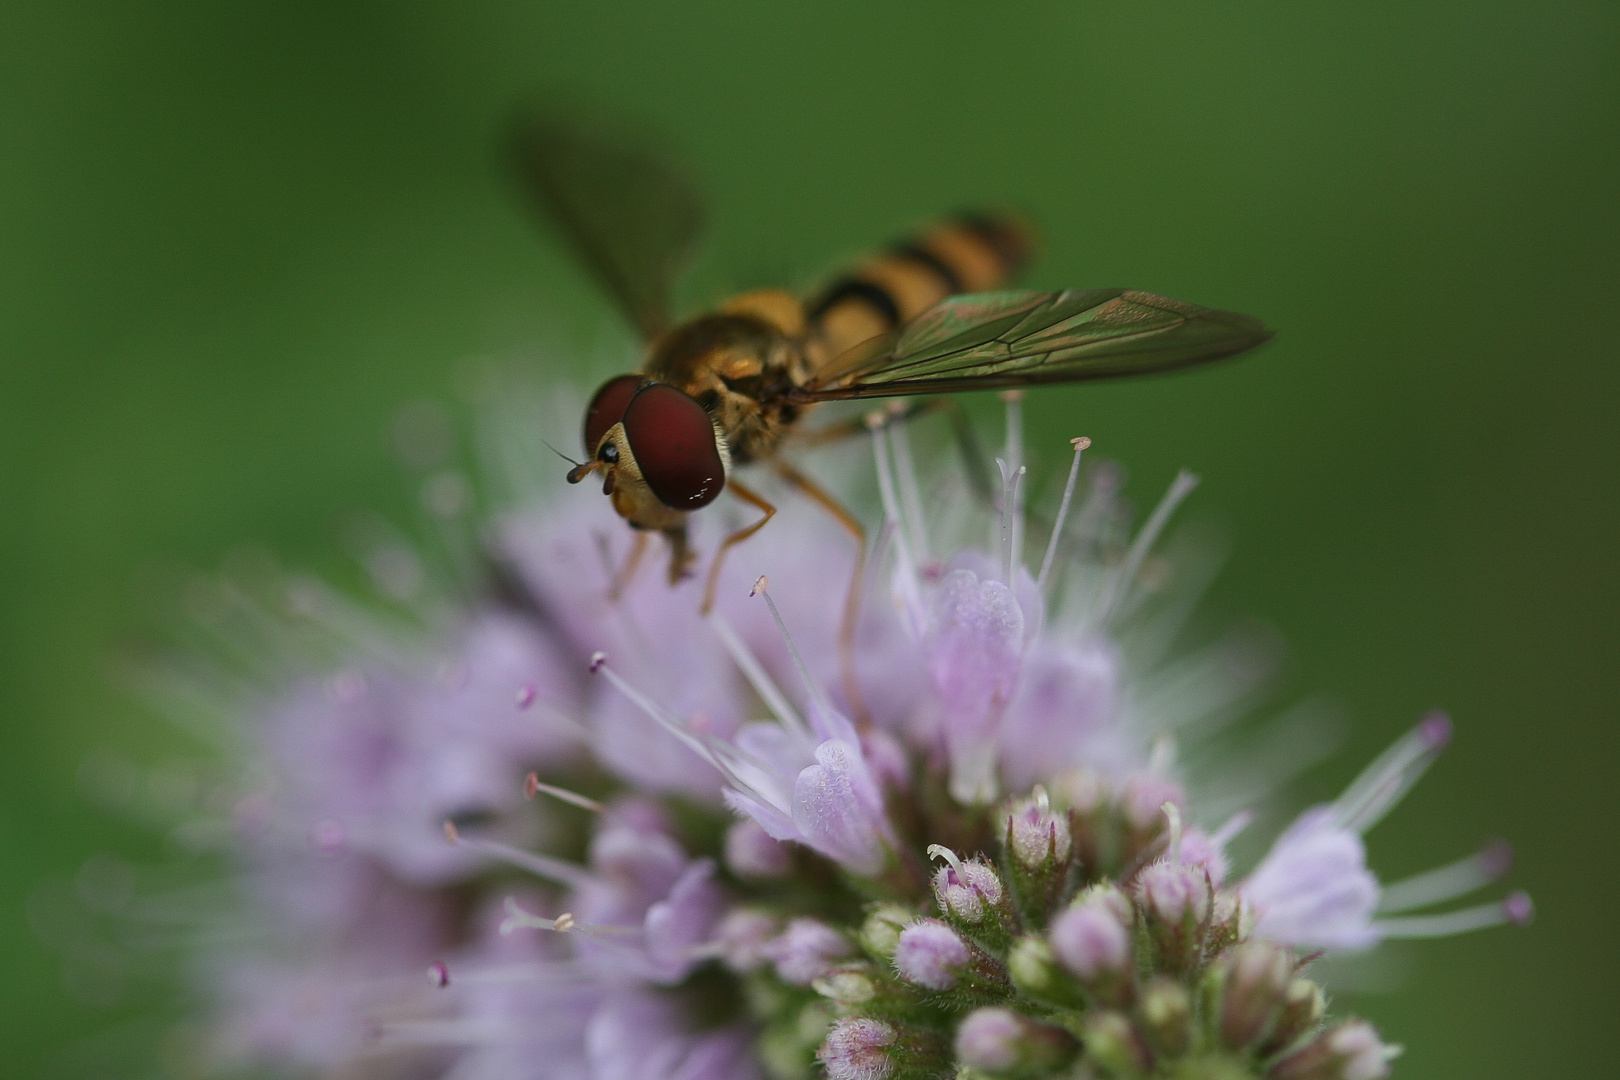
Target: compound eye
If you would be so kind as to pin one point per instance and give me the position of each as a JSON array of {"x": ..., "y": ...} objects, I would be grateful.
[
  {"x": 607, "y": 408},
  {"x": 673, "y": 441}
]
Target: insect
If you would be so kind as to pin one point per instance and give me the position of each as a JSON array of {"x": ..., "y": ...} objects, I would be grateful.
[{"x": 729, "y": 387}]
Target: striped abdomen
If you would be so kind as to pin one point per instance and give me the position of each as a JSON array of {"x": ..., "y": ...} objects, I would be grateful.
[{"x": 969, "y": 253}]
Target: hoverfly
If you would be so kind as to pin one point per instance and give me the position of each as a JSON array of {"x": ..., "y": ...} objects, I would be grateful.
[{"x": 725, "y": 388}]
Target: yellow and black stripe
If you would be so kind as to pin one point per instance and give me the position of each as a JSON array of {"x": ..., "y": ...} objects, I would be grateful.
[{"x": 971, "y": 252}]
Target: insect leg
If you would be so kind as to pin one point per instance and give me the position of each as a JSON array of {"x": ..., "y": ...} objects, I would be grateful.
[
  {"x": 748, "y": 496},
  {"x": 627, "y": 571},
  {"x": 680, "y": 554},
  {"x": 852, "y": 600}
]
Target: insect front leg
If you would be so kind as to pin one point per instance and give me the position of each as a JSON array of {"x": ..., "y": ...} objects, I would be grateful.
[
  {"x": 681, "y": 554},
  {"x": 748, "y": 496}
]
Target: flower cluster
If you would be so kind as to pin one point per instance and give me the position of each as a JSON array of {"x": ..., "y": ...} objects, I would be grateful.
[{"x": 629, "y": 841}]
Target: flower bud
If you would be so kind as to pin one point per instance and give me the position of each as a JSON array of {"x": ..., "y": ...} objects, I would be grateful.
[
  {"x": 846, "y": 986},
  {"x": 1001, "y": 1043},
  {"x": 931, "y": 955},
  {"x": 1176, "y": 902},
  {"x": 1257, "y": 977},
  {"x": 1038, "y": 844},
  {"x": 1036, "y": 974},
  {"x": 1166, "y": 1012},
  {"x": 1350, "y": 1050},
  {"x": 1094, "y": 946},
  {"x": 970, "y": 893},
  {"x": 806, "y": 950},
  {"x": 858, "y": 1049},
  {"x": 880, "y": 933},
  {"x": 1302, "y": 1008},
  {"x": 1115, "y": 1044},
  {"x": 935, "y": 957},
  {"x": 744, "y": 937},
  {"x": 751, "y": 852},
  {"x": 1036, "y": 835}
]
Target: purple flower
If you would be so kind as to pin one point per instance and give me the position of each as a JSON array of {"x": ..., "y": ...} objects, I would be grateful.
[{"x": 974, "y": 644}]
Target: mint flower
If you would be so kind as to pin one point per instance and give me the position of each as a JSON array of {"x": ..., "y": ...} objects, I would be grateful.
[{"x": 626, "y": 841}]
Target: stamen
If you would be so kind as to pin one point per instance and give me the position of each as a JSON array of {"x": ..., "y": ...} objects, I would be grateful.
[
  {"x": 755, "y": 672},
  {"x": 518, "y": 919},
  {"x": 1012, "y": 518},
  {"x": 1013, "y": 451},
  {"x": 663, "y": 718},
  {"x": 816, "y": 695},
  {"x": 533, "y": 785},
  {"x": 1172, "y": 817},
  {"x": 1043, "y": 802},
  {"x": 438, "y": 974},
  {"x": 526, "y": 695},
  {"x": 1515, "y": 909},
  {"x": 1125, "y": 576},
  {"x": 891, "y": 503},
  {"x": 1391, "y": 775},
  {"x": 1232, "y": 826},
  {"x": 1445, "y": 882},
  {"x": 1079, "y": 445},
  {"x": 940, "y": 851},
  {"x": 910, "y": 493},
  {"x": 541, "y": 866}
]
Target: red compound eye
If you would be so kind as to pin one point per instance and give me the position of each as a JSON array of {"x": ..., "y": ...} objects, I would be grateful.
[
  {"x": 673, "y": 441},
  {"x": 607, "y": 408}
]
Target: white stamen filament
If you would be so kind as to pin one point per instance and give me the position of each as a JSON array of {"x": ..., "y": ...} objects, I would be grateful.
[
  {"x": 1445, "y": 882},
  {"x": 1079, "y": 445},
  {"x": 1012, "y": 519},
  {"x": 1172, "y": 817},
  {"x": 533, "y": 785},
  {"x": 669, "y": 723},
  {"x": 541, "y": 866},
  {"x": 1390, "y": 776},
  {"x": 1451, "y": 922},
  {"x": 1231, "y": 827},
  {"x": 910, "y": 492},
  {"x": 891, "y": 510},
  {"x": 810, "y": 685},
  {"x": 758, "y": 677},
  {"x": 1013, "y": 450},
  {"x": 940, "y": 851},
  {"x": 1123, "y": 578}
]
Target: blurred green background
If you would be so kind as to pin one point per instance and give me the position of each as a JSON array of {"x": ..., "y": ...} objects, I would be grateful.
[{"x": 235, "y": 239}]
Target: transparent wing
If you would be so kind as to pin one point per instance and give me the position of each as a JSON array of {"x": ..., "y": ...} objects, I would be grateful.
[
  {"x": 629, "y": 216},
  {"x": 990, "y": 340}
]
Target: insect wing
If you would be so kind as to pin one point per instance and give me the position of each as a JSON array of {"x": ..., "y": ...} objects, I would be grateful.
[
  {"x": 989, "y": 340},
  {"x": 631, "y": 217}
]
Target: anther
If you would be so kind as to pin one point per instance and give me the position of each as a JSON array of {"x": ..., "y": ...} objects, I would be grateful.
[
  {"x": 438, "y": 974},
  {"x": 761, "y": 583},
  {"x": 526, "y": 695},
  {"x": 451, "y": 833},
  {"x": 598, "y": 658}
]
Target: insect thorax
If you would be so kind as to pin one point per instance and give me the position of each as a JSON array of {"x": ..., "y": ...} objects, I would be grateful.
[{"x": 738, "y": 367}]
